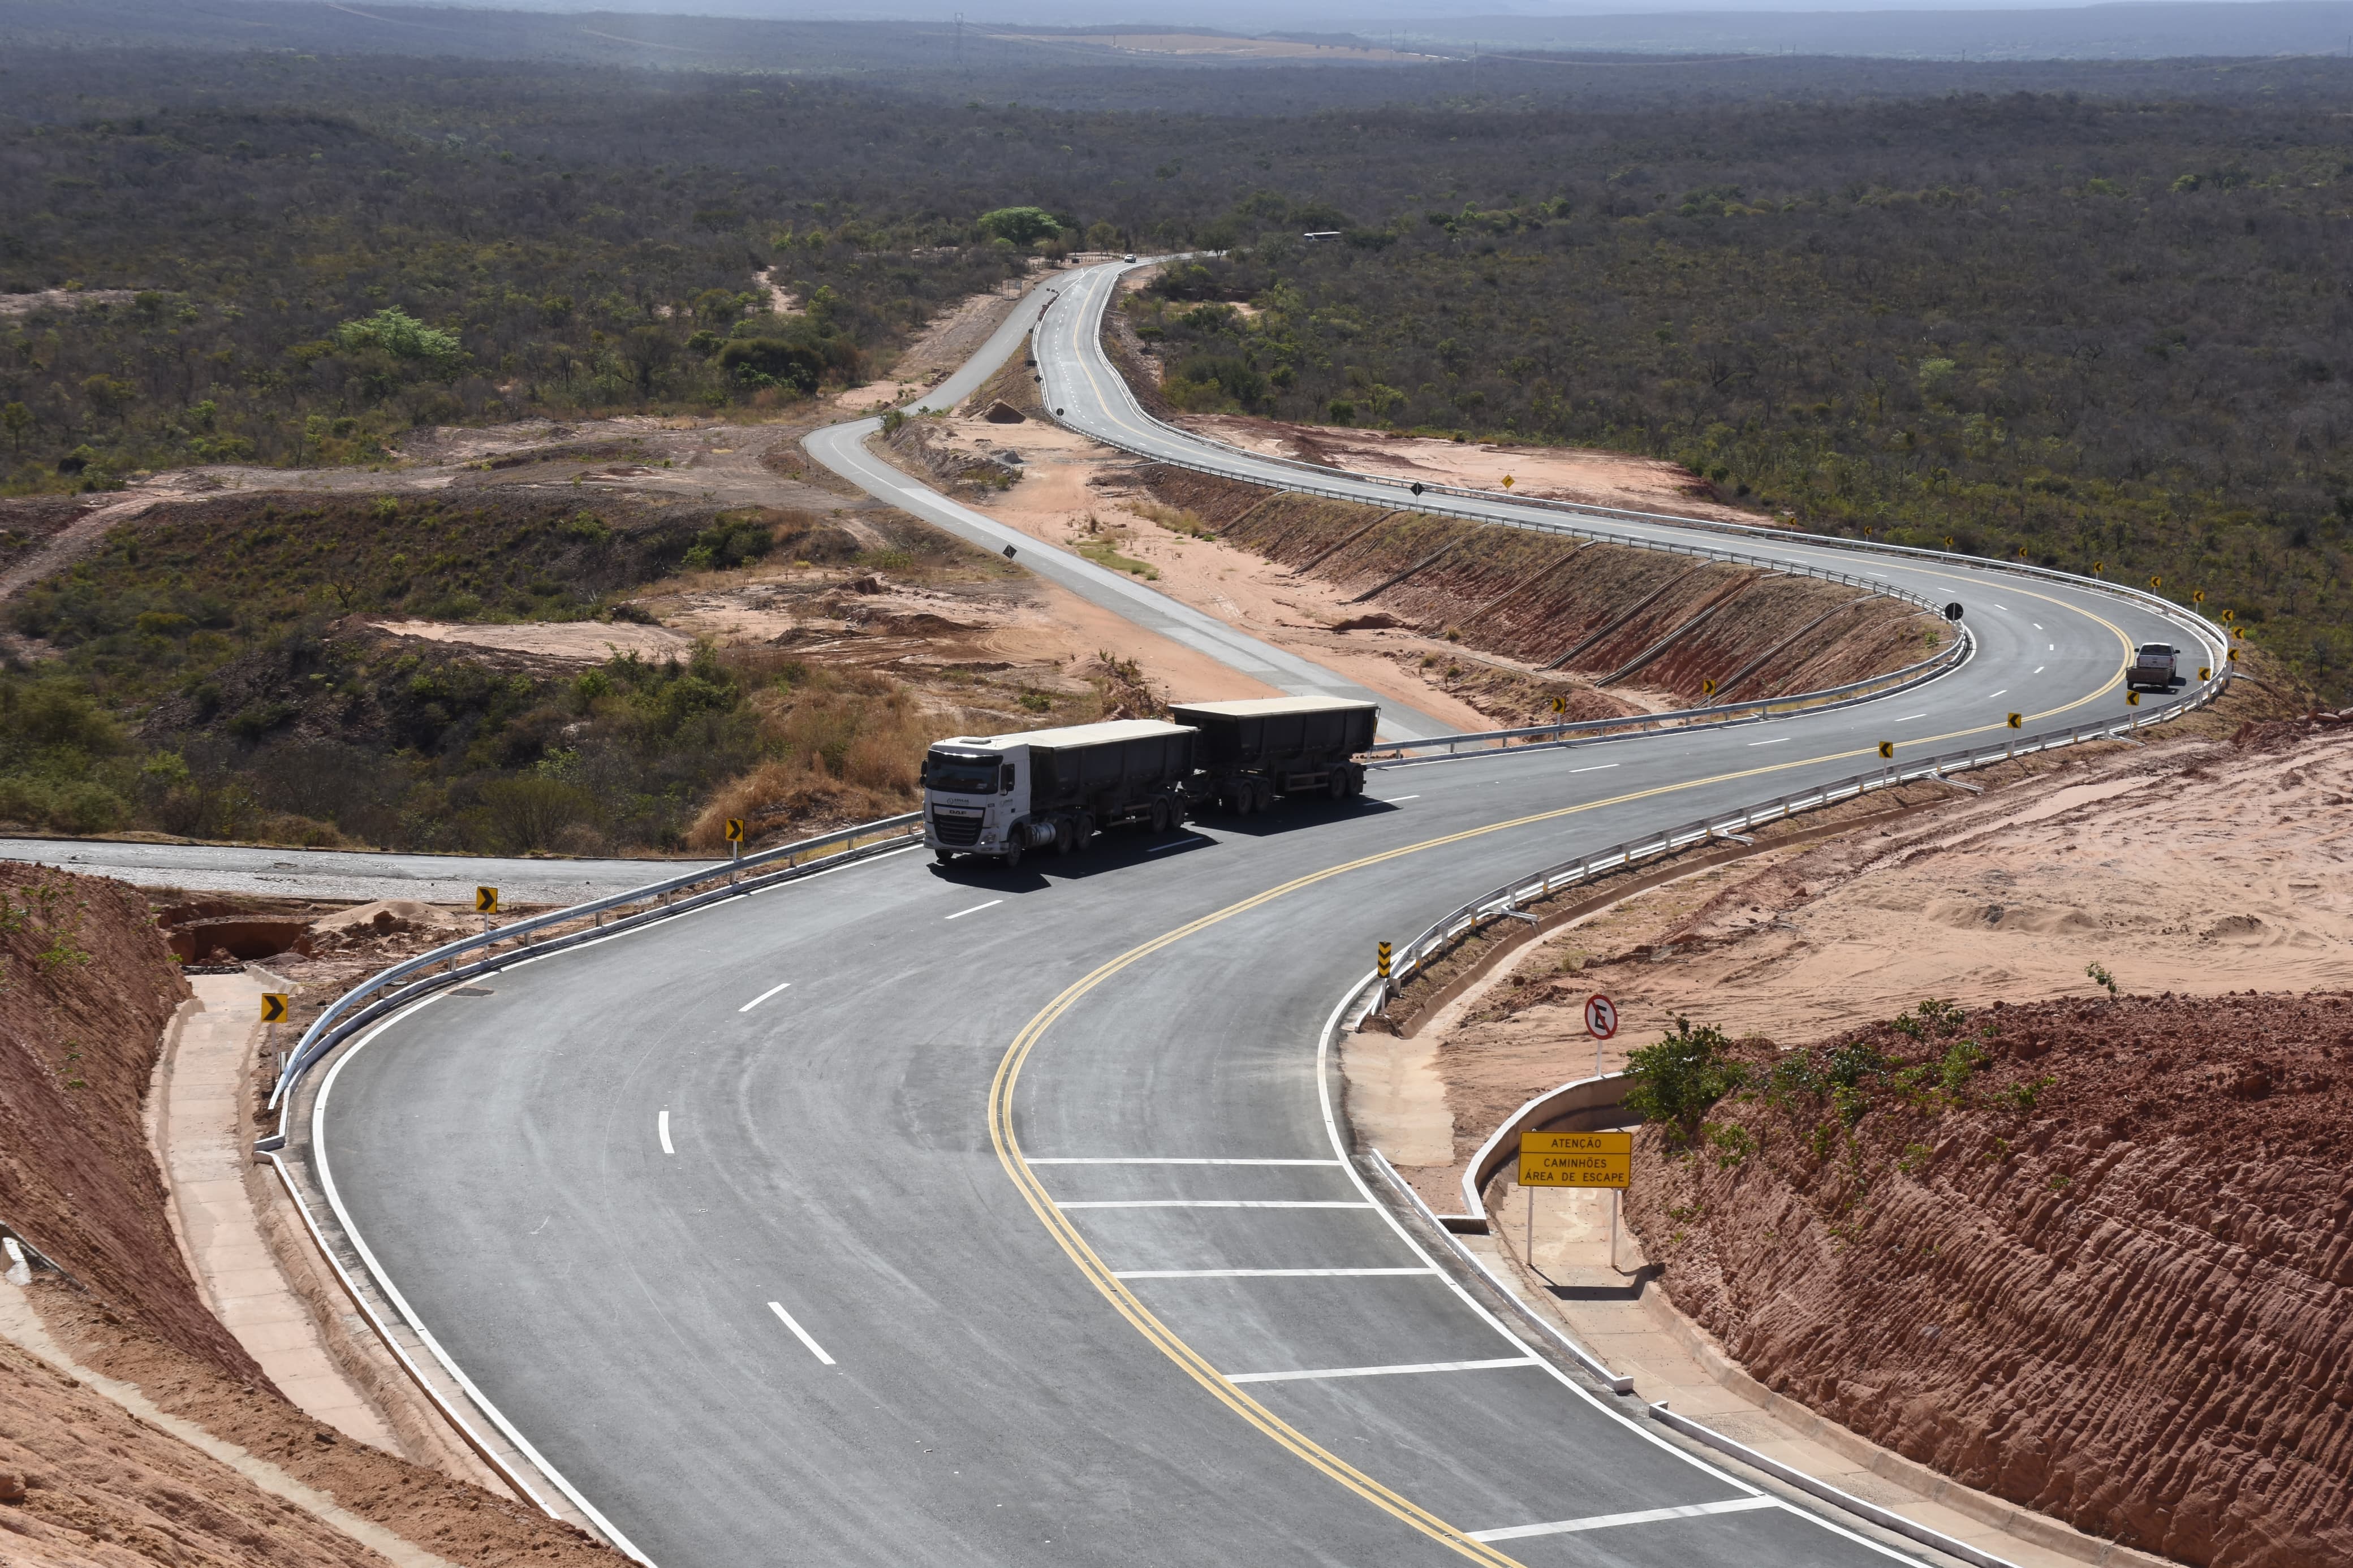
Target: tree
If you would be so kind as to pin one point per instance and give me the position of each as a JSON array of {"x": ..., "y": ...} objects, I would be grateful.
[
  {"x": 16, "y": 419},
  {"x": 110, "y": 396},
  {"x": 1019, "y": 225},
  {"x": 402, "y": 336}
]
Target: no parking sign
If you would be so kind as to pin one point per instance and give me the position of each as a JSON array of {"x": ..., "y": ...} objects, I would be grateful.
[{"x": 1600, "y": 1016}]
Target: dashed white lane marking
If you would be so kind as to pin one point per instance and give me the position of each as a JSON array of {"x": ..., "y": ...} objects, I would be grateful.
[
  {"x": 974, "y": 911},
  {"x": 2040, "y": 668},
  {"x": 1776, "y": 741},
  {"x": 1264, "y": 1273},
  {"x": 764, "y": 996},
  {"x": 1593, "y": 768},
  {"x": 1383, "y": 1371},
  {"x": 1163, "y": 849},
  {"x": 1399, "y": 799},
  {"x": 662, "y": 1126},
  {"x": 801, "y": 1333},
  {"x": 1610, "y": 1520},
  {"x": 1909, "y": 717},
  {"x": 1163, "y": 1159},
  {"x": 1215, "y": 1203},
  {"x": 2003, "y": 692}
]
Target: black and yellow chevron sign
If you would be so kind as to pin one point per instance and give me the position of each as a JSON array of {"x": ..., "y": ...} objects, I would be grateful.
[
  {"x": 1381, "y": 960},
  {"x": 486, "y": 901},
  {"x": 1887, "y": 748},
  {"x": 273, "y": 1008}
]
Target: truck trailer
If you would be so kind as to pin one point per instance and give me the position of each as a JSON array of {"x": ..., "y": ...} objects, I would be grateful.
[
  {"x": 1255, "y": 750},
  {"x": 999, "y": 795},
  {"x": 1002, "y": 795}
]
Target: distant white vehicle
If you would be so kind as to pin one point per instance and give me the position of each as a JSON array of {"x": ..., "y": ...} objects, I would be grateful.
[{"x": 1129, "y": 256}]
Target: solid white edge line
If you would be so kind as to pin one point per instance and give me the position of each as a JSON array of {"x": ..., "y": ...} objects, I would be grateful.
[
  {"x": 1489, "y": 1365},
  {"x": 1611, "y": 1521},
  {"x": 1212, "y": 1204},
  {"x": 764, "y": 996},
  {"x": 801, "y": 1333},
  {"x": 1265, "y": 1273},
  {"x": 974, "y": 911},
  {"x": 661, "y": 1125},
  {"x": 400, "y": 1303},
  {"x": 1156, "y": 1160},
  {"x": 383, "y": 1279},
  {"x": 1638, "y": 1428}
]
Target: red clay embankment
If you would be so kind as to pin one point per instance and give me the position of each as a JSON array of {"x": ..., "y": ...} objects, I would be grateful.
[
  {"x": 86, "y": 986},
  {"x": 2105, "y": 1269},
  {"x": 1610, "y": 612}
]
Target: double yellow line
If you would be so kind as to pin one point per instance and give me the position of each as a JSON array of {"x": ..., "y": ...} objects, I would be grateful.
[{"x": 1124, "y": 1301}]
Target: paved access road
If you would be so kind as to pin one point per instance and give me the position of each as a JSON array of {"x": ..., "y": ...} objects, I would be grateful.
[
  {"x": 933, "y": 1215},
  {"x": 842, "y": 449},
  {"x": 342, "y": 873}
]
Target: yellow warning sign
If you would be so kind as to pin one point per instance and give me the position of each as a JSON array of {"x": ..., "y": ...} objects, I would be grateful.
[
  {"x": 273, "y": 1008},
  {"x": 1887, "y": 748},
  {"x": 735, "y": 830},
  {"x": 1576, "y": 1159},
  {"x": 1707, "y": 687},
  {"x": 486, "y": 901},
  {"x": 2017, "y": 719},
  {"x": 1381, "y": 960}
]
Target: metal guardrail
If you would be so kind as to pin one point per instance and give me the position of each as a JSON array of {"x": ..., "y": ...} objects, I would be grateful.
[
  {"x": 1829, "y": 697},
  {"x": 1450, "y": 929},
  {"x": 2199, "y": 626},
  {"x": 752, "y": 874}
]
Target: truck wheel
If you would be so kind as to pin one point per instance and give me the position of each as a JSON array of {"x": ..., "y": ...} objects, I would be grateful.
[
  {"x": 1338, "y": 788},
  {"x": 1265, "y": 793},
  {"x": 1356, "y": 780},
  {"x": 944, "y": 857},
  {"x": 1012, "y": 856},
  {"x": 1159, "y": 817}
]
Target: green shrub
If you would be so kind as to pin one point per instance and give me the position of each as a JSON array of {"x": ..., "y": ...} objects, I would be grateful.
[{"x": 1676, "y": 1081}]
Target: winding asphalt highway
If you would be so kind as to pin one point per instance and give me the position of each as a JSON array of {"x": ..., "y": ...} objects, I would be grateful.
[{"x": 958, "y": 1217}]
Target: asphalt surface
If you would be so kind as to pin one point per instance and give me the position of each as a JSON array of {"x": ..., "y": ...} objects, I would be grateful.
[
  {"x": 957, "y": 1215},
  {"x": 344, "y": 873},
  {"x": 842, "y": 449}
]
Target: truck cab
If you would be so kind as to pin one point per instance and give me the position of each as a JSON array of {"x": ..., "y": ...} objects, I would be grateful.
[
  {"x": 975, "y": 789},
  {"x": 2152, "y": 667},
  {"x": 1000, "y": 796}
]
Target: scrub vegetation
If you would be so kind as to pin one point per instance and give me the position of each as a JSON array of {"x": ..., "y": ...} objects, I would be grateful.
[{"x": 2094, "y": 313}]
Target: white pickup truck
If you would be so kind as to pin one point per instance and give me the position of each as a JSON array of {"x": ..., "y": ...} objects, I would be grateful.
[{"x": 2152, "y": 667}]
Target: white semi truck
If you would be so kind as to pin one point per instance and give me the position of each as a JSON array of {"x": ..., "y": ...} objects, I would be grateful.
[
  {"x": 1000, "y": 796},
  {"x": 1003, "y": 796}
]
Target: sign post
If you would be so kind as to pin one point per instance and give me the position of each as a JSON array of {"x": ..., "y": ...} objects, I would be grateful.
[{"x": 1575, "y": 1160}]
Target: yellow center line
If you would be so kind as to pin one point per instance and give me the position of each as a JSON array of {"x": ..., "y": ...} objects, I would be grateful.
[{"x": 1161, "y": 1337}]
